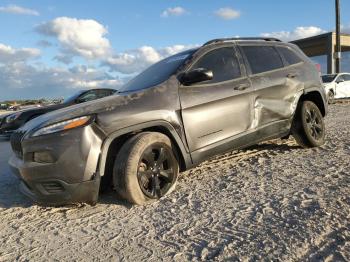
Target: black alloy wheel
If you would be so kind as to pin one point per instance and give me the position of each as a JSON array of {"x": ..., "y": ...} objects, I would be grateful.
[
  {"x": 156, "y": 173},
  {"x": 314, "y": 123},
  {"x": 308, "y": 127},
  {"x": 146, "y": 168}
]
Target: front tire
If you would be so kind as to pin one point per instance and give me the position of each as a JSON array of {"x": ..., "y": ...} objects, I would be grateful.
[
  {"x": 331, "y": 97},
  {"x": 308, "y": 126},
  {"x": 146, "y": 168}
]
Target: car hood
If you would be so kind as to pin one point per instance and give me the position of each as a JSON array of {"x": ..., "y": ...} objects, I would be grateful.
[{"x": 88, "y": 108}]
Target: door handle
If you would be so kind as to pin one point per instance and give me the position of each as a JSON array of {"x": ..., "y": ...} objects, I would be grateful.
[
  {"x": 292, "y": 75},
  {"x": 241, "y": 87}
]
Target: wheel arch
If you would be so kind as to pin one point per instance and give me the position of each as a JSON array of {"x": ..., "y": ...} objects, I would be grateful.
[
  {"x": 316, "y": 97},
  {"x": 114, "y": 142}
]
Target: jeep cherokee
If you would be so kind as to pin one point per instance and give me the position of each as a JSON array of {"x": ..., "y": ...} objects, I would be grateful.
[{"x": 227, "y": 94}]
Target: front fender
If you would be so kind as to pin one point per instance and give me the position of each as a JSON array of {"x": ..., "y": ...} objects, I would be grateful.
[
  {"x": 151, "y": 124},
  {"x": 316, "y": 93}
]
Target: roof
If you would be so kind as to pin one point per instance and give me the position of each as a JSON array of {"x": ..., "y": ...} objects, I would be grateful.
[{"x": 218, "y": 40}]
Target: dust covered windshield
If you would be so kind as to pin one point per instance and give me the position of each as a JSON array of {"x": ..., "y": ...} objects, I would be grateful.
[{"x": 157, "y": 73}]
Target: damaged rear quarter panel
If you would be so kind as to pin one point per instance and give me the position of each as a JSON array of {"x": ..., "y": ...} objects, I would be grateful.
[{"x": 275, "y": 97}]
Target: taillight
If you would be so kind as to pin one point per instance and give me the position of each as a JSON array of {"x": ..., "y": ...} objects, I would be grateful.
[{"x": 318, "y": 67}]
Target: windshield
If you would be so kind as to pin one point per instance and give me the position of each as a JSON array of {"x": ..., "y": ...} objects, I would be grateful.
[
  {"x": 157, "y": 73},
  {"x": 73, "y": 97},
  {"x": 328, "y": 78}
]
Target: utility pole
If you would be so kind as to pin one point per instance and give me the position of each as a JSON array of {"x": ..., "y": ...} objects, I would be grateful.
[{"x": 337, "y": 35}]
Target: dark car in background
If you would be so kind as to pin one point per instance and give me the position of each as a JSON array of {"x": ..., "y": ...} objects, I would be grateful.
[
  {"x": 13, "y": 121},
  {"x": 25, "y": 106},
  {"x": 4, "y": 106},
  {"x": 227, "y": 94}
]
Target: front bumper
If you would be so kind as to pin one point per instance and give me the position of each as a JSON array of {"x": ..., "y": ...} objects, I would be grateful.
[{"x": 68, "y": 174}]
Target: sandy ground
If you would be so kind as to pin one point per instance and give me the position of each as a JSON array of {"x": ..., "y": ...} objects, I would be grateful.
[{"x": 272, "y": 201}]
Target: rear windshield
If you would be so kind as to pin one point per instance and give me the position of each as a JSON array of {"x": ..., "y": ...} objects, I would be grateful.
[
  {"x": 328, "y": 78},
  {"x": 157, "y": 73}
]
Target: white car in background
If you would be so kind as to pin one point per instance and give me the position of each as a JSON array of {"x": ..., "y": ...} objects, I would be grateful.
[{"x": 337, "y": 86}]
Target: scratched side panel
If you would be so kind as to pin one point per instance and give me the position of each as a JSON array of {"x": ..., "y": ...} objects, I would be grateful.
[
  {"x": 214, "y": 113},
  {"x": 124, "y": 110}
]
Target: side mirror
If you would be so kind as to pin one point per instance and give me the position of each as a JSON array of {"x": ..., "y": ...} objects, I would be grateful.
[
  {"x": 196, "y": 76},
  {"x": 340, "y": 81}
]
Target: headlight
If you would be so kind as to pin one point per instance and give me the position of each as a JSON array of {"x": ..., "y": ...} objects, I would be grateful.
[
  {"x": 64, "y": 125},
  {"x": 12, "y": 117}
]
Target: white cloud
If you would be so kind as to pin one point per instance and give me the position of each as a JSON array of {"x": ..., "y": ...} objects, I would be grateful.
[
  {"x": 44, "y": 43},
  {"x": 64, "y": 58},
  {"x": 134, "y": 61},
  {"x": 78, "y": 37},
  {"x": 345, "y": 29},
  {"x": 15, "y": 9},
  {"x": 9, "y": 54},
  {"x": 175, "y": 11},
  {"x": 227, "y": 13},
  {"x": 297, "y": 33},
  {"x": 21, "y": 80}
]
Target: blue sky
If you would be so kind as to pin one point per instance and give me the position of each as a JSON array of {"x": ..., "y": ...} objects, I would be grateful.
[{"x": 52, "y": 48}]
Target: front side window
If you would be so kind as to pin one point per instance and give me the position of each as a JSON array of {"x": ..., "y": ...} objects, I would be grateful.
[
  {"x": 290, "y": 57},
  {"x": 262, "y": 58},
  {"x": 346, "y": 77},
  {"x": 340, "y": 79},
  {"x": 103, "y": 93},
  {"x": 222, "y": 62},
  {"x": 89, "y": 96}
]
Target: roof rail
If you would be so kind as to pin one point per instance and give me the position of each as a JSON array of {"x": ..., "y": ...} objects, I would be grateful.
[{"x": 242, "y": 38}]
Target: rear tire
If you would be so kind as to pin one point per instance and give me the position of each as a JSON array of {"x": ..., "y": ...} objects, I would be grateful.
[
  {"x": 146, "y": 168},
  {"x": 308, "y": 126}
]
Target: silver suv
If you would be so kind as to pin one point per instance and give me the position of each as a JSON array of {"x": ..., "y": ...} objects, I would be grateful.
[{"x": 224, "y": 95}]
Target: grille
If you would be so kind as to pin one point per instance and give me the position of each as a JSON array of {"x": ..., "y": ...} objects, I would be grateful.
[
  {"x": 52, "y": 187},
  {"x": 16, "y": 145}
]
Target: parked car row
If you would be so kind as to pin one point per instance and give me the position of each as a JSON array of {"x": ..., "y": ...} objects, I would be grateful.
[
  {"x": 12, "y": 121},
  {"x": 224, "y": 95}
]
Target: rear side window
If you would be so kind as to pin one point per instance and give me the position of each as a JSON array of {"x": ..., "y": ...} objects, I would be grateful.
[
  {"x": 223, "y": 62},
  {"x": 290, "y": 57},
  {"x": 262, "y": 58}
]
